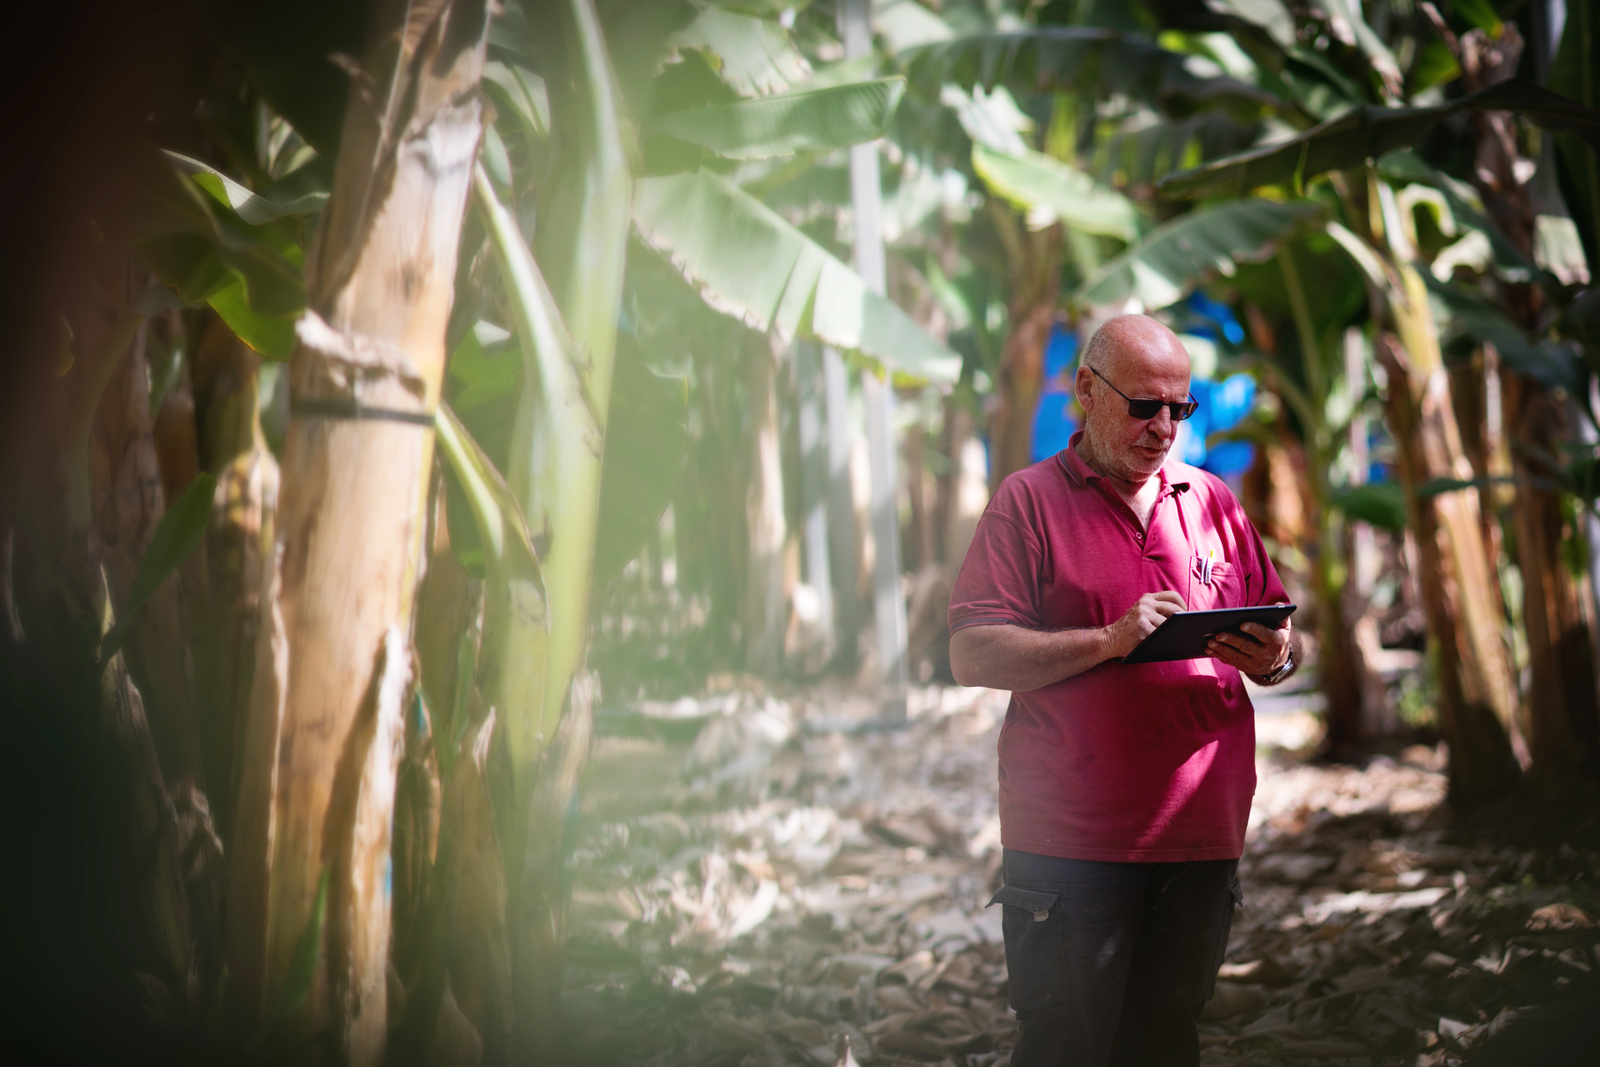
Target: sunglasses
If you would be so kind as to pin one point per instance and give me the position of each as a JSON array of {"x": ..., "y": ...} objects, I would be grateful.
[{"x": 1146, "y": 408}]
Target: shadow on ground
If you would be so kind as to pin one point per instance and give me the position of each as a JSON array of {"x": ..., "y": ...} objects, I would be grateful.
[{"x": 759, "y": 881}]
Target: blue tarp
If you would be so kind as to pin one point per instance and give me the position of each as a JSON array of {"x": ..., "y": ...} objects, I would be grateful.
[{"x": 1223, "y": 404}]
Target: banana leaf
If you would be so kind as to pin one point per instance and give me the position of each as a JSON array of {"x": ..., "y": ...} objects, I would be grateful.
[
  {"x": 299, "y": 193},
  {"x": 812, "y": 120},
  {"x": 1082, "y": 60},
  {"x": 1368, "y": 132},
  {"x": 1577, "y": 63},
  {"x": 508, "y": 551},
  {"x": 748, "y": 262},
  {"x": 1177, "y": 255},
  {"x": 1382, "y": 504},
  {"x": 1040, "y": 183},
  {"x": 754, "y": 55},
  {"x": 647, "y": 432},
  {"x": 1468, "y": 317},
  {"x": 176, "y": 537},
  {"x": 192, "y": 238}
]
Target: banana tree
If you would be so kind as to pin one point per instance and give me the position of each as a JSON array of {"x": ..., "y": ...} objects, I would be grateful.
[
  {"x": 309, "y": 908},
  {"x": 1470, "y": 617}
]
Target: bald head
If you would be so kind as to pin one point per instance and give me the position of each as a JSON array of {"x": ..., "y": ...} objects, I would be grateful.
[
  {"x": 1142, "y": 359},
  {"x": 1137, "y": 344}
]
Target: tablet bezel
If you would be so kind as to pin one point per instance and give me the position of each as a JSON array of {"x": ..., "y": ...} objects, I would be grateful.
[{"x": 1190, "y": 630}]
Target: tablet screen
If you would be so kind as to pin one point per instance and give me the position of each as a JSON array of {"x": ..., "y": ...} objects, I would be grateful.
[{"x": 1184, "y": 635}]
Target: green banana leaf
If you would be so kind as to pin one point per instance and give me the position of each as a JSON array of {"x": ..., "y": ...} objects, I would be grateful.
[
  {"x": 1577, "y": 63},
  {"x": 508, "y": 551},
  {"x": 521, "y": 91},
  {"x": 812, "y": 120},
  {"x": 1404, "y": 165},
  {"x": 176, "y": 537},
  {"x": 750, "y": 263},
  {"x": 1467, "y": 317},
  {"x": 483, "y": 366},
  {"x": 1368, "y": 132},
  {"x": 1079, "y": 59},
  {"x": 1034, "y": 181},
  {"x": 754, "y": 55},
  {"x": 1179, "y": 254},
  {"x": 1382, "y": 504},
  {"x": 192, "y": 238},
  {"x": 647, "y": 432},
  {"x": 299, "y": 193},
  {"x": 1134, "y": 154}
]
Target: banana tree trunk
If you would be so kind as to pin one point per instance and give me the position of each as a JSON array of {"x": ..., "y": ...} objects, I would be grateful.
[
  {"x": 1563, "y": 699},
  {"x": 1563, "y": 718},
  {"x": 1341, "y": 668},
  {"x": 1475, "y": 704},
  {"x": 309, "y": 909},
  {"x": 1035, "y": 274},
  {"x": 239, "y": 538}
]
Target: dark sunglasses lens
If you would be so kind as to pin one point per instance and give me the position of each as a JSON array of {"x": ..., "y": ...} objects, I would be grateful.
[
  {"x": 1184, "y": 410},
  {"x": 1144, "y": 408}
]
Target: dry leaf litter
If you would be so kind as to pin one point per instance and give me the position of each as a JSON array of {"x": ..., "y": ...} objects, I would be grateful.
[{"x": 772, "y": 881}]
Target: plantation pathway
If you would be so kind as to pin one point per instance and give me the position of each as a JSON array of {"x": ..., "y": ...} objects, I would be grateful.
[{"x": 755, "y": 883}]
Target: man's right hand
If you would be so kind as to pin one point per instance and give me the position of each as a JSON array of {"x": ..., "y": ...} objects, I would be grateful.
[{"x": 1150, "y": 611}]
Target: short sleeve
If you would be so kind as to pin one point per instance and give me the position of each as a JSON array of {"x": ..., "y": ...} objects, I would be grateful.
[
  {"x": 1263, "y": 575},
  {"x": 999, "y": 583}
]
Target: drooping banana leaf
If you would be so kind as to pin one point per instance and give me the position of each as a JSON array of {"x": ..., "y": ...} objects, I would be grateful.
[
  {"x": 1383, "y": 504},
  {"x": 1368, "y": 132},
  {"x": 1577, "y": 64},
  {"x": 749, "y": 262},
  {"x": 1509, "y": 260},
  {"x": 1134, "y": 152},
  {"x": 813, "y": 120},
  {"x": 515, "y": 87},
  {"x": 754, "y": 55},
  {"x": 1037, "y": 182},
  {"x": 1470, "y": 317},
  {"x": 192, "y": 238},
  {"x": 1175, "y": 256},
  {"x": 554, "y": 446},
  {"x": 646, "y": 434},
  {"x": 1347, "y": 21},
  {"x": 502, "y": 531},
  {"x": 1079, "y": 59},
  {"x": 176, "y": 537},
  {"x": 299, "y": 193}
]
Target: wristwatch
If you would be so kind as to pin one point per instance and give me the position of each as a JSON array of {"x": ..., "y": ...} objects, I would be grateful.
[{"x": 1281, "y": 673}]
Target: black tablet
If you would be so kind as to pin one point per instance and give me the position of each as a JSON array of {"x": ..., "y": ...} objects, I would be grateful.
[{"x": 1184, "y": 635}]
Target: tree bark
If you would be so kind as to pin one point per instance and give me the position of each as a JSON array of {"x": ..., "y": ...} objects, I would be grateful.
[
  {"x": 333, "y": 665},
  {"x": 1563, "y": 701},
  {"x": 1563, "y": 717},
  {"x": 1469, "y": 660}
]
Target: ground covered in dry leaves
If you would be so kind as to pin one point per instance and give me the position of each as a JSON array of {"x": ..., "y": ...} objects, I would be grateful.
[{"x": 758, "y": 881}]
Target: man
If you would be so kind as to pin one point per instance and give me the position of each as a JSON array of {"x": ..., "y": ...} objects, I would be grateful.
[{"x": 1124, "y": 789}]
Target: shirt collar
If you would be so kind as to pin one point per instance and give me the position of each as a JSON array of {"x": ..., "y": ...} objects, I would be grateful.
[{"x": 1082, "y": 474}]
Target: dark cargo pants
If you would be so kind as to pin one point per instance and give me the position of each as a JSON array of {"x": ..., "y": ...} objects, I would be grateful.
[{"x": 1109, "y": 963}]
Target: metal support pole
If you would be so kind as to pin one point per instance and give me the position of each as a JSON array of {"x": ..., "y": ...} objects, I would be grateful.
[
  {"x": 843, "y": 538},
  {"x": 866, "y": 199},
  {"x": 814, "y": 486}
]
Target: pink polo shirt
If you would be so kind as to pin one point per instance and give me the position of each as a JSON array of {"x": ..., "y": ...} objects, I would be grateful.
[{"x": 1149, "y": 762}]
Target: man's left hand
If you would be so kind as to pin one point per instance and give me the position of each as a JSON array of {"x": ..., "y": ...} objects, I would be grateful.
[{"x": 1258, "y": 651}]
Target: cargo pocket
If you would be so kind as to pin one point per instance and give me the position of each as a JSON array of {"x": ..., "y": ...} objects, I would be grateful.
[
  {"x": 1035, "y": 942},
  {"x": 1235, "y": 900}
]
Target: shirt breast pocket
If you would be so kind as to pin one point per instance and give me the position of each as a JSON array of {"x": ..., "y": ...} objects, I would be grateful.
[{"x": 1228, "y": 586}]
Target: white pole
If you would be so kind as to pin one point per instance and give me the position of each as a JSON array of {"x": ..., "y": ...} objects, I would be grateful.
[
  {"x": 889, "y": 604},
  {"x": 814, "y": 487}
]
